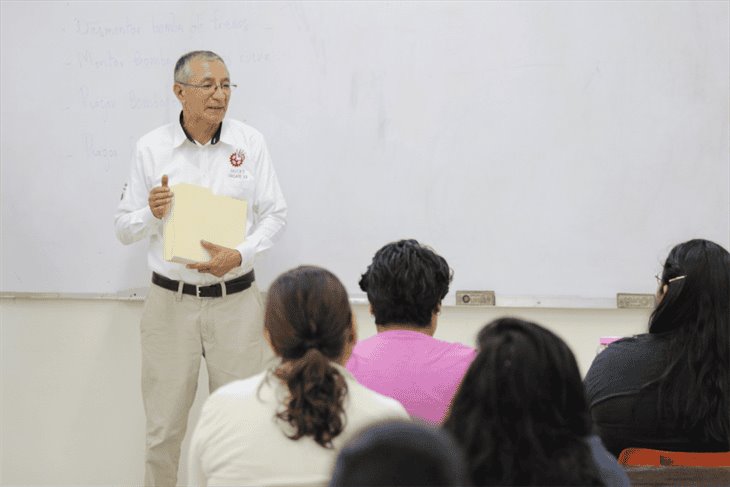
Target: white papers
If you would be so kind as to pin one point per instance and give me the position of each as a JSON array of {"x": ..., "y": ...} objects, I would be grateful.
[{"x": 197, "y": 214}]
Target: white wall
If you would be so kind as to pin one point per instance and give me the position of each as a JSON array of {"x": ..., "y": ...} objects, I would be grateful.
[
  {"x": 71, "y": 405},
  {"x": 525, "y": 141}
]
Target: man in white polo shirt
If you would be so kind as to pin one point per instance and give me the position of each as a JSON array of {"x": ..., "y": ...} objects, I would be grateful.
[{"x": 210, "y": 309}]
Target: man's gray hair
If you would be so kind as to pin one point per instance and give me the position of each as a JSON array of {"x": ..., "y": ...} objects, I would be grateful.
[{"x": 182, "y": 67}]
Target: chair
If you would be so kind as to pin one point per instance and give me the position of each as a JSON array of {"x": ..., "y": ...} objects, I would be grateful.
[
  {"x": 646, "y": 457},
  {"x": 646, "y": 467}
]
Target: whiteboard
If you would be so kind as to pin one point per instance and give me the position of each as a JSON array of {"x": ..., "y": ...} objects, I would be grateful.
[{"x": 543, "y": 148}]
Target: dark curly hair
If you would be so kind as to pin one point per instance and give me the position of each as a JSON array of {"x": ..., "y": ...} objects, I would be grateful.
[
  {"x": 694, "y": 316},
  {"x": 405, "y": 283},
  {"x": 309, "y": 322},
  {"x": 520, "y": 414}
]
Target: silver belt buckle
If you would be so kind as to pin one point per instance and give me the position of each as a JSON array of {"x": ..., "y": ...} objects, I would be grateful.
[{"x": 197, "y": 290}]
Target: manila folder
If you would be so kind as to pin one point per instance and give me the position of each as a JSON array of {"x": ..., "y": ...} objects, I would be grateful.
[{"x": 197, "y": 214}]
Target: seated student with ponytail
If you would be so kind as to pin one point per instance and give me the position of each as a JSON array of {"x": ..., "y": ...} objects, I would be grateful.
[{"x": 286, "y": 426}]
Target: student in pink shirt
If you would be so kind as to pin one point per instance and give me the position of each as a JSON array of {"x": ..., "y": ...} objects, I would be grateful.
[{"x": 405, "y": 284}]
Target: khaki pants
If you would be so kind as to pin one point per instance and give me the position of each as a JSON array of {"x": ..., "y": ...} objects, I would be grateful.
[{"x": 176, "y": 331}]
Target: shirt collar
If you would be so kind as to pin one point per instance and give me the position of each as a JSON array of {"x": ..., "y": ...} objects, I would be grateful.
[
  {"x": 409, "y": 334},
  {"x": 182, "y": 134},
  {"x": 225, "y": 134}
]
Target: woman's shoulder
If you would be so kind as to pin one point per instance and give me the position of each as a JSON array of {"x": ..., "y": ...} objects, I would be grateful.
[
  {"x": 624, "y": 366},
  {"x": 241, "y": 395},
  {"x": 240, "y": 388},
  {"x": 366, "y": 403},
  {"x": 630, "y": 351}
]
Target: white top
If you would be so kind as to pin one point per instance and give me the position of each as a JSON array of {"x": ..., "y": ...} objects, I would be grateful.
[
  {"x": 238, "y": 165},
  {"x": 238, "y": 440}
]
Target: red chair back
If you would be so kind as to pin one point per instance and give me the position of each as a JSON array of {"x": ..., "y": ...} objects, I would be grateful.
[{"x": 646, "y": 457}]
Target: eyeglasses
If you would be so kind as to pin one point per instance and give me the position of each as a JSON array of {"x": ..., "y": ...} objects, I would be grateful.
[
  {"x": 659, "y": 280},
  {"x": 210, "y": 88}
]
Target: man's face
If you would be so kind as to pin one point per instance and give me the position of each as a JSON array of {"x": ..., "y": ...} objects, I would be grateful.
[{"x": 201, "y": 104}]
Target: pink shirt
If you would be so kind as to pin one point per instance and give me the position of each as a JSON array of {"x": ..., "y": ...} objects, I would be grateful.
[{"x": 419, "y": 371}]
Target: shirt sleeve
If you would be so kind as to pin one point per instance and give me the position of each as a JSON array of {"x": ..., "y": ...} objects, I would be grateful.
[
  {"x": 596, "y": 377},
  {"x": 269, "y": 207},
  {"x": 612, "y": 474},
  {"x": 623, "y": 367},
  {"x": 134, "y": 220}
]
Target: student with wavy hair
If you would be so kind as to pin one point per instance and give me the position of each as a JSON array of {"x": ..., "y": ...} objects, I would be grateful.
[
  {"x": 285, "y": 426},
  {"x": 405, "y": 284},
  {"x": 521, "y": 416},
  {"x": 669, "y": 389}
]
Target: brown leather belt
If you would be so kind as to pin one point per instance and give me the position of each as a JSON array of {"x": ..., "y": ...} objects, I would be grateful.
[{"x": 213, "y": 291}]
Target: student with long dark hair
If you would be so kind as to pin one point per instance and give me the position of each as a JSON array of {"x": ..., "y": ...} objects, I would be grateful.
[
  {"x": 405, "y": 283},
  {"x": 521, "y": 416},
  {"x": 285, "y": 426},
  {"x": 670, "y": 389}
]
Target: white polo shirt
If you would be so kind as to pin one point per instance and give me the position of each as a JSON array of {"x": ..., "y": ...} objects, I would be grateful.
[
  {"x": 238, "y": 440},
  {"x": 236, "y": 164}
]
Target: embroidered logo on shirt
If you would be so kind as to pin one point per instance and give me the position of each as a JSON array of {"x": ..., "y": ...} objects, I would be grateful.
[{"x": 237, "y": 158}]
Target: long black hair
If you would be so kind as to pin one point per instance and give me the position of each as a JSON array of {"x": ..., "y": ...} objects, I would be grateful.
[
  {"x": 520, "y": 414},
  {"x": 309, "y": 322},
  {"x": 693, "y": 314}
]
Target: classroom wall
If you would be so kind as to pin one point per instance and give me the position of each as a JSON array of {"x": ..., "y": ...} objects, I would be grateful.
[
  {"x": 527, "y": 142},
  {"x": 70, "y": 401}
]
